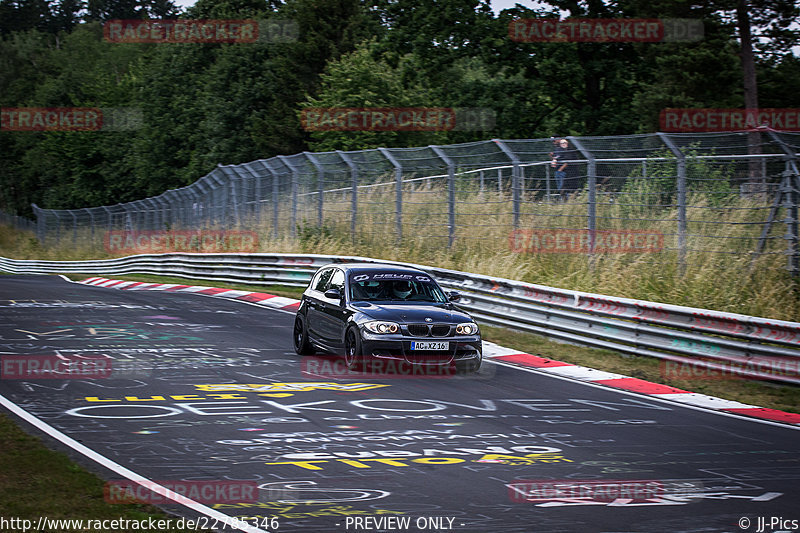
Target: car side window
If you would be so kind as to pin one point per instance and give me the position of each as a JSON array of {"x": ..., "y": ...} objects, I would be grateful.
[
  {"x": 337, "y": 281},
  {"x": 321, "y": 282}
]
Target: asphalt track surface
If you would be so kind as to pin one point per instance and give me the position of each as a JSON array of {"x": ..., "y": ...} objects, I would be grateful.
[{"x": 210, "y": 390}]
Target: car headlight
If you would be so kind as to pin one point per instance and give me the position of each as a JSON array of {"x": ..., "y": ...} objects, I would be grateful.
[
  {"x": 467, "y": 328},
  {"x": 382, "y": 328}
]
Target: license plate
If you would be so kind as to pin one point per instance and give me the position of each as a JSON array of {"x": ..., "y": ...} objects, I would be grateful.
[{"x": 430, "y": 345}]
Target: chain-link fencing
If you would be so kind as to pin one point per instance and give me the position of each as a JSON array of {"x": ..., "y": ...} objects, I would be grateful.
[
  {"x": 16, "y": 221},
  {"x": 678, "y": 199}
]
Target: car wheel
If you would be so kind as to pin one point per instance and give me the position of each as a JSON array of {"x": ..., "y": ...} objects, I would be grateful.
[
  {"x": 301, "y": 344},
  {"x": 352, "y": 349}
]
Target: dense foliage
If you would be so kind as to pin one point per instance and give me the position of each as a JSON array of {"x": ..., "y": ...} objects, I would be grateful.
[{"x": 208, "y": 104}]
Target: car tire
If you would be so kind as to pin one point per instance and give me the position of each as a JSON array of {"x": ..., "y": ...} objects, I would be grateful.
[
  {"x": 353, "y": 358},
  {"x": 301, "y": 343}
]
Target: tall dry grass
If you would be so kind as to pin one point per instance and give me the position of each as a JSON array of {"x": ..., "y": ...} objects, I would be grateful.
[{"x": 729, "y": 279}]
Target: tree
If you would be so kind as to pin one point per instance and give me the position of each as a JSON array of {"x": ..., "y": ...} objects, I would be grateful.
[{"x": 358, "y": 80}]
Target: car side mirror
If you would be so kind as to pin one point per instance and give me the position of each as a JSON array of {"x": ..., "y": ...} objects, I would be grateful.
[
  {"x": 453, "y": 296},
  {"x": 333, "y": 294}
]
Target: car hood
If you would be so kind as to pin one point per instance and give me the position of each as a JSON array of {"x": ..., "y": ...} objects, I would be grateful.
[{"x": 412, "y": 313}]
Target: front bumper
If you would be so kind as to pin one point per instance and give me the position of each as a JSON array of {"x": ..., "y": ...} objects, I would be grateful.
[{"x": 461, "y": 348}]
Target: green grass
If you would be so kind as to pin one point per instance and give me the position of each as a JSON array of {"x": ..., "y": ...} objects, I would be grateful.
[{"x": 36, "y": 481}]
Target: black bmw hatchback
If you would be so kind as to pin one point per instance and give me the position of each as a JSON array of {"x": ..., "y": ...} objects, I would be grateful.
[{"x": 367, "y": 310}]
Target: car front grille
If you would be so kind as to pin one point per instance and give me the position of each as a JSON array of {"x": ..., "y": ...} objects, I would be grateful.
[
  {"x": 418, "y": 330},
  {"x": 440, "y": 330},
  {"x": 429, "y": 330}
]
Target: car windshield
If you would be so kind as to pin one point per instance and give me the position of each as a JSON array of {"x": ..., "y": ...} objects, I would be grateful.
[{"x": 395, "y": 287}]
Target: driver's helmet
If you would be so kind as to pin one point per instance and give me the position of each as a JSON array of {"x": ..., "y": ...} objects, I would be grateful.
[
  {"x": 402, "y": 289},
  {"x": 372, "y": 288}
]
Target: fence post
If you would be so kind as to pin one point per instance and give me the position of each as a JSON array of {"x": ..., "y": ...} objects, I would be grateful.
[
  {"x": 254, "y": 212},
  {"x": 233, "y": 218},
  {"x": 205, "y": 200},
  {"x": 320, "y": 187},
  {"x": 515, "y": 180},
  {"x": 790, "y": 199},
  {"x": 37, "y": 212},
  {"x": 110, "y": 218},
  {"x": 91, "y": 225},
  {"x": 591, "y": 185},
  {"x": 275, "y": 191},
  {"x": 353, "y": 194},
  {"x": 682, "y": 225},
  {"x": 547, "y": 181},
  {"x": 161, "y": 216},
  {"x": 451, "y": 194},
  {"x": 295, "y": 186},
  {"x": 398, "y": 200},
  {"x": 790, "y": 205}
]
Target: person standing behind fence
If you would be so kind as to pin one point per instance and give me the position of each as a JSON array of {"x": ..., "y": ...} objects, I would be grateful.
[
  {"x": 559, "y": 162},
  {"x": 567, "y": 164}
]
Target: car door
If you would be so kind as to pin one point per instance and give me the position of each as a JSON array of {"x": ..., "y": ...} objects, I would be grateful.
[
  {"x": 333, "y": 313},
  {"x": 315, "y": 296}
]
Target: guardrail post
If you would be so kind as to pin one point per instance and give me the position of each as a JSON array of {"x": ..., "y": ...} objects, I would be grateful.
[
  {"x": 353, "y": 194},
  {"x": 682, "y": 226},
  {"x": 398, "y": 201},
  {"x": 591, "y": 185},
  {"x": 451, "y": 194},
  {"x": 516, "y": 171}
]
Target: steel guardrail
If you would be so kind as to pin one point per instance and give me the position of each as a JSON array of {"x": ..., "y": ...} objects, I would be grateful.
[{"x": 727, "y": 343}]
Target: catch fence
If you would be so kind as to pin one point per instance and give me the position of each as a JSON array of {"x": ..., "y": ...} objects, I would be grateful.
[
  {"x": 657, "y": 198},
  {"x": 16, "y": 221}
]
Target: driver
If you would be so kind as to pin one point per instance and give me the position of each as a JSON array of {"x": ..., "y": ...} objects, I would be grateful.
[
  {"x": 372, "y": 288},
  {"x": 402, "y": 289}
]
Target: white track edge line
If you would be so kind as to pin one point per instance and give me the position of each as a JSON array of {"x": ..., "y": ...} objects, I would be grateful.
[
  {"x": 673, "y": 403},
  {"x": 123, "y": 471}
]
